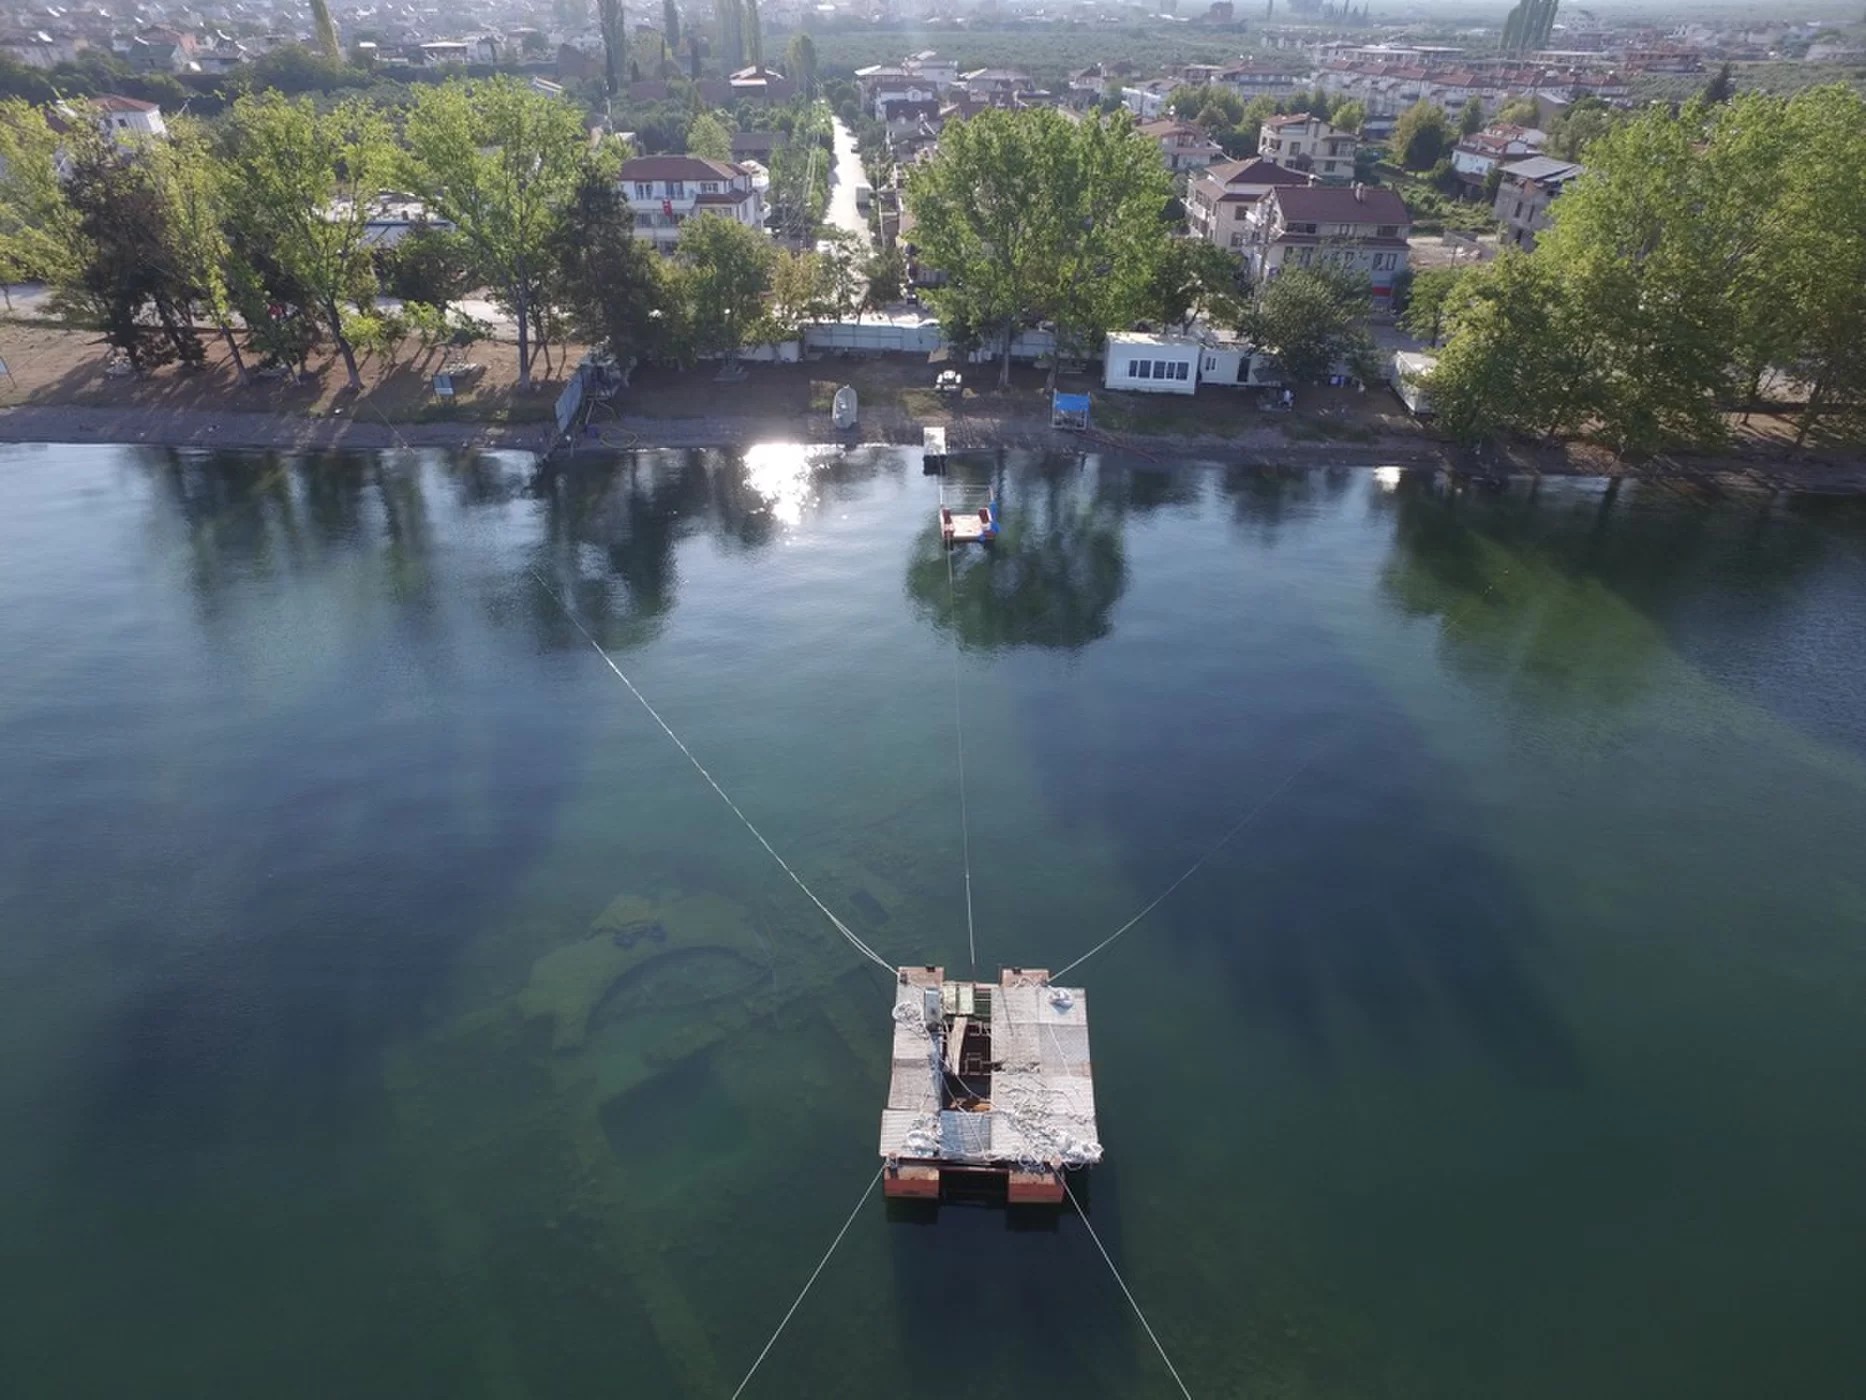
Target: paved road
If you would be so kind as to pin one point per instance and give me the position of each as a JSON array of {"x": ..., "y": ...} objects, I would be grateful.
[{"x": 843, "y": 179}]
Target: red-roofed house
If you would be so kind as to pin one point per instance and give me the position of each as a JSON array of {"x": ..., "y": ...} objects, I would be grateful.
[
  {"x": 1183, "y": 147},
  {"x": 1221, "y": 199},
  {"x": 1362, "y": 228}
]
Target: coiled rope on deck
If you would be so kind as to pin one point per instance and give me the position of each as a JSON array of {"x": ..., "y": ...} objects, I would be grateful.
[{"x": 700, "y": 768}]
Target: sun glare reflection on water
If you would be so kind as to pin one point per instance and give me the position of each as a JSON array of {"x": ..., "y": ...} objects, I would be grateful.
[{"x": 781, "y": 473}]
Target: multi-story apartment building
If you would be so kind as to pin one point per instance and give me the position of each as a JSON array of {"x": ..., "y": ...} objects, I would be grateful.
[
  {"x": 1183, "y": 147},
  {"x": 1219, "y": 202},
  {"x": 1525, "y": 192},
  {"x": 1305, "y": 142},
  {"x": 665, "y": 191},
  {"x": 1362, "y": 228}
]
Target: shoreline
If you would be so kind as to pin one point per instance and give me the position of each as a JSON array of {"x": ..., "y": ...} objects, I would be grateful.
[{"x": 1261, "y": 448}]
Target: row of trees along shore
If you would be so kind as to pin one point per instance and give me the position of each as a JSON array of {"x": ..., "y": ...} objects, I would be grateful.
[
  {"x": 258, "y": 228},
  {"x": 1707, "y": 253}
]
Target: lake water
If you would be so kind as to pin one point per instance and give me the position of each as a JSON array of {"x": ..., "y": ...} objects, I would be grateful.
[{"x": 1517, "y": 1046}]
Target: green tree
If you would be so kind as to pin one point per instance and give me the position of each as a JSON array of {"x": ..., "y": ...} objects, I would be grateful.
[
  {"x": 193, "y": 185},
  {"x": 1578, "y": 126},
  {"x": 1521, "y": 111},
  {"x": 884, "y": 279},
  {"x": 301, "y": 187},
  {"x": 709, "y": 137},
  {"x": 1197, "y": 280},
  {"x": 1517, "y": 359},
  {"x": 1108, "y": 190},
  {"x": 670, "y": 25},
  {"x": 38, "y": 227},
  {"x": 731, "y": 33},
  {"x": 1421, "y": 136},
  {"x": 1643, "y": 260},
  {"x": 1310, "y": 319},
  {"x": 725, "y": 272},
  {"x": 432, "y": 266},
  {"x": 1471, "y": 118},
  {"x": 500, "y": 162},
  {"x": 1348, "y": 115},
  {"x": 802, "y": 60},
  {"x": 614, "y": 289},
  {"x": 1826, "y": 261},
  {"x": 614, "y": 25},
  {"x": 324, "y": 31},
  {"x": 754, "y": 40},
  {"x": 1720, "y": 88},
  {"x": 1432, "y": 290},
  {"x": 1033, "y": 216},
  {"x": 125, "y": 273}
]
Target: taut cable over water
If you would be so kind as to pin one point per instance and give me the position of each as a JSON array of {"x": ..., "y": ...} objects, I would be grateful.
[
  {"x": 1128, "y": 1292},
  {"x": 796, "y": 1302},
  {"x": 1196, "y": 865},
  {"x": 783, "y": 864},
  {"x": 958, "y": 725}
]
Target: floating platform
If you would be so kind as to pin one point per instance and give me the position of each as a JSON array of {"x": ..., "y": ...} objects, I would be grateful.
[
  {"x": 967, "y": 514},
  {"x": 991, "y": 1092}
]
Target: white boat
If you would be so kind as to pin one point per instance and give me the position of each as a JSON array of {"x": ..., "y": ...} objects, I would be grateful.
[{"x": 843, "y": 410}]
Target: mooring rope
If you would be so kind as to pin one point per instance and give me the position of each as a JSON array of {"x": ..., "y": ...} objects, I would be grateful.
[
  {"x": 1193, "y": 869},
  {"x": 1126, "y": 1290},
  {"x": 958, "y": 725},
  {"x": 699, "y": 767},
  {"x": 812, "y": 1279}
]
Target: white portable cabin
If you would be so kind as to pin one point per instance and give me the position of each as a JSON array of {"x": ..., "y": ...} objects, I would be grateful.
[
  {"x": 1152, "y": 364},
  {"x": 1404, "y": 373}
]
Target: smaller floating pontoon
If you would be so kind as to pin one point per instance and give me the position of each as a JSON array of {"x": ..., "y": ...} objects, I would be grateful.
[
  {"x": 932, "y": 451},
  {"x": 967, "y": 514}
]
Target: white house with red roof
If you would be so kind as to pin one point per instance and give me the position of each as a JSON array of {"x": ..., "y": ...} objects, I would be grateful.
[{"x": 663, "y": 192}]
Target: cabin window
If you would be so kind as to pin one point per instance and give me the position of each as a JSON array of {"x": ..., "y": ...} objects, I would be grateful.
[
  {"x": 644, "y": 189},
  {"x": 676, "y": 189},
  {"x": 1139, "y": 369},
  {"x": 710, "y": 187},
  {"x": 1387, "y": 231}
]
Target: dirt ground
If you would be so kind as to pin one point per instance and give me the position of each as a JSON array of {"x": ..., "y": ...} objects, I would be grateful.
[{"x": 56, "y": 368}]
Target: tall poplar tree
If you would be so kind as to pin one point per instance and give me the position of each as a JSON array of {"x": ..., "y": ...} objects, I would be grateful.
[
  {"x": 501, "y": 162},
  {"x": 325, "y": 31}
]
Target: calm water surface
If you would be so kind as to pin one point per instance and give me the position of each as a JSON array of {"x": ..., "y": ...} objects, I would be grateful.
[{"x": 388, "y": 1009}]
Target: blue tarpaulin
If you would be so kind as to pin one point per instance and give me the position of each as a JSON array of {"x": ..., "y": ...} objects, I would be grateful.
[{"x": 1069, "y": 410}]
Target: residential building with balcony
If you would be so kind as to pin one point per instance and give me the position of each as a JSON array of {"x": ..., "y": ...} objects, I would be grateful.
[
  {"x": 1359, "y": 228},
  {"x": 1219, "y": 202},
  {"x": 1183, "y": 147},
  {"x": 663, "y": 192},
  {"x": 1301, "y": 141},
  {"x": 1474, "y": 157}
]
